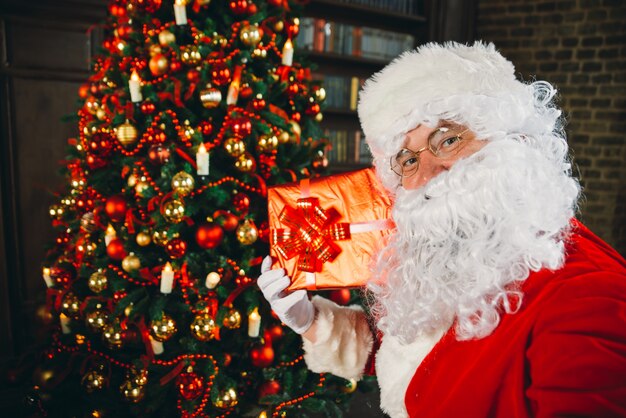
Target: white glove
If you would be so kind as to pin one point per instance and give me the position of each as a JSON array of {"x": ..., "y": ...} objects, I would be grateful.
[{"x": 294, "y": 309}]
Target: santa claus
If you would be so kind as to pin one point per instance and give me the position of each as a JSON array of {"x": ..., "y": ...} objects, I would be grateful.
[{"x": 490, "y": 300}]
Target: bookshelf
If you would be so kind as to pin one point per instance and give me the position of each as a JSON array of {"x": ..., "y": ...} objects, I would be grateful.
[{"x": 350, "y": 40}]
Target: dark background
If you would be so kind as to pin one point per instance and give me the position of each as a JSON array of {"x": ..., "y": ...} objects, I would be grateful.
[{"x": 45, "y": 47}]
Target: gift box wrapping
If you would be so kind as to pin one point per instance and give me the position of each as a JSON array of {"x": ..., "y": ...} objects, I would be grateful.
[{"x": 325, "y": 231}]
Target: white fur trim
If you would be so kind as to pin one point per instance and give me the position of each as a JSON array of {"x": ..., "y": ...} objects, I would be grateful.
[
  {"x": 343, "y": 340},
  {"x": 396, "y": 364}
]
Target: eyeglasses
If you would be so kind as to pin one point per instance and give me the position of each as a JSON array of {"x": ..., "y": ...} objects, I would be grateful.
[{"x": 443, "y": 143}]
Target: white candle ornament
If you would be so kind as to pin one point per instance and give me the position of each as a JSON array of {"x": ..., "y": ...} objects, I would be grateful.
[
  {"x": 288, "y": 53},
  {"x": 254, "y": 323},
  {"x": 212, "y": 279},
  {"x": 167, "y": 279},
  {"x": 65, "y": 323},
  {"x": 202, "y": 161},
  {"x": 157, "y": 346},
  {"x": 47, "y": 278},
  {"x": 134, "y": 85},
  {"x": 109, "y": 235},
  {"x": 180, "y": 12}
]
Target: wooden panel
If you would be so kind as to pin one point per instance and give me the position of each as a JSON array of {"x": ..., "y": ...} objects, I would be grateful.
[
  {"x": 40, "y": 143},
  {"x": 33, "y": 45}
]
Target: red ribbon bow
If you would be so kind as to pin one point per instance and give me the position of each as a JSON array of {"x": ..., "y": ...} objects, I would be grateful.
[{"x": 311, "y": 235}]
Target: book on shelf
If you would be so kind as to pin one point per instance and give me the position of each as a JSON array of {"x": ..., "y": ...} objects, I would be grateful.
[
  {"x": 322, "y": 35},
  {"x": 342, "y": 92},
  {"x": 347, "y": 147}
]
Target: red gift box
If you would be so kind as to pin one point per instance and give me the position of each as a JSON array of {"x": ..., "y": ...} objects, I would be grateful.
[{"x": 325, "y": 231}]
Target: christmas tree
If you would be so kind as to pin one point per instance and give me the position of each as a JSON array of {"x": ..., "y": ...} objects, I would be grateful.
[{"x": 192, "y": 110}]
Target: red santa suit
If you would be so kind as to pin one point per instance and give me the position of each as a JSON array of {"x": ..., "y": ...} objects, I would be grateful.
[{"x": 562, "y": 354}]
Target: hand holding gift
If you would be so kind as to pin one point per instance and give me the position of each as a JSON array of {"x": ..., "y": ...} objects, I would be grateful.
[{"x": 294, "y": 309}]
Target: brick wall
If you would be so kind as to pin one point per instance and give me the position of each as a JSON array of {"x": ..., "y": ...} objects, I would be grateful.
[{"x": 580, "y": 46}]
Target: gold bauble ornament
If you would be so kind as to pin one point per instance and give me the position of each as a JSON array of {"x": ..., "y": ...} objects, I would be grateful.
[
  {"x": 94, "y": 380},
  {"x": 279, "y": 26},
  {"x": 295, "y": 131},
  {"x": 131, "y": 263},
  {"x": 92, "y": 105},
  {"x": 163, "y": 329},
  {"x": 159, "y": 237},
  {"x": 283, "y": 137},
  {"x": 267, "y": 143},
  {"x": 226, "y": 398},
  {"x": 88, "y": 222},
  {"x": 250, "y": 35},
  {"x": 126, "y": 134},
  {"x": 97, "y": 282},
  {"x": 173, "y": 211},
  {"x": 203, "y": 327},
  {"x": 182, "y": 183},
  {"x": 166, "y": 37},
  {"x": 112, "y": 335},
  {"x": 247, "y": 232},
  {"x": 320, "y": 94},
  {"x": 319, "y": 117},
  {"x": 132, "y": 391},
  {"x": 70, "y": 305},
  {"x": 159, "y": 64},
  {"x": 190, "y": 54},
  {"x": 350, "y": 386},
  {"x": 154, "y": 49},
  {"x": 234, "y": 147},
  {"x": 140, "y": 377},
  {"x": 78, "y": 183},
  {"x": 232, "y": 320},
  {"x": 245, "y": 163},
  {"x": 97, "y": 319},
  {"x": 56, "y": 211},
  {"x": 219, "y": 41},
  {"x": 143, "y": 239},
  {"x": 141, "y": 187},
  {"x": 43, "y": 377},
  {"x": 210, "y": 97},
  {"x": 101, "y": 114}
]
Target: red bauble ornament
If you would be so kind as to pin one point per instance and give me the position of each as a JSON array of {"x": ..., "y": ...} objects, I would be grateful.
[
  {"x": 94, "y": 162},
  {"x": 100, "y": 144},
  {"x": 246, "y": 92},
  {"x": 116, "y": 208},
  {"x": 61, "y": 275},
  {"x": 227, "y": 220},
  {"x": 271, "y": 387},
  {"x": 262, "y": 356},
  {"x": 116, "y": 250},
  {"x": 176, "y": 248},
  {"x": 296, "y": 118},
  {"x": 83, "y": 91},
  {"x": 293, "y": 89},
  {"x": 124, "y": 30},
  {"x": 252, "y": 9},
  {"x": 149, "y": 6},
  {"x": 190, "y": 385},
  {"x": 158, "y": 154},
  {"x": 276, "y": 332},
  {"x": 293, "y": 30},
  {"x": 264, "y": 231},
  {"x": 193, "y": 75},
  {"x": 175, "y": 66},
  {"x": 258, "y": 104},
  {"x": 241, "y": 202},
  {"x": 209, "y": 235},
  {"x": 238, "y": 7},
  {"x": 241, "y": 126},
  {"x": 275, "y": 3},
  {"x": 118, "y": 10},
  {"x": 220, "y": 74},
  {"x": 205, "y": 127},
  {"x": 340, "y": 296},
  {"x": 147, "y": 107},
  {"x": 63, "y": 238},
  {"x": 313, "y": 109}
]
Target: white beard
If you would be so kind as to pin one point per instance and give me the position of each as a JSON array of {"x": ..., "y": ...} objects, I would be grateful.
[{"x": 469, "y": 238}]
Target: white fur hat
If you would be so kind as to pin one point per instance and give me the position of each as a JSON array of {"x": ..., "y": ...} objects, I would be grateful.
[{"x": 470, "y": 84}]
